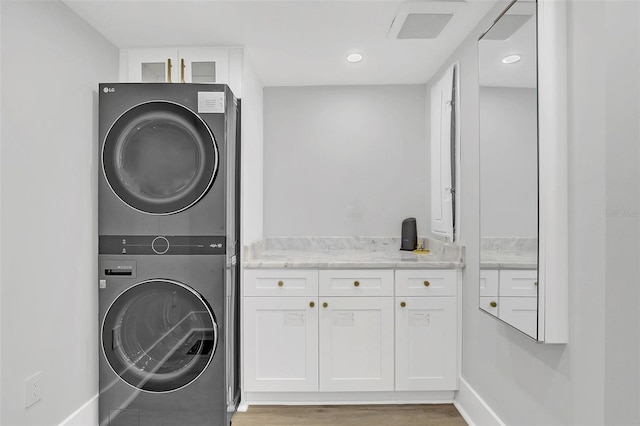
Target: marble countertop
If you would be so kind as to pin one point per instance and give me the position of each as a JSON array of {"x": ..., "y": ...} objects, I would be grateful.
[
  {"x": 349, "y": 253},
  {"x": 508, "y": 259},
  {"x": 508, "y": 253}
]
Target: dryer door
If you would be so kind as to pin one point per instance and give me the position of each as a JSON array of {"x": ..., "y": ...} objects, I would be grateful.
[
  {"x": 159, "y": 335},
  {"x": 160, "y": 157}
]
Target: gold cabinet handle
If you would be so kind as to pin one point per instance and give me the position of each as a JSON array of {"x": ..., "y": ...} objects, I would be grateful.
[
  {"x": 280, "y": 283},
  {"x": 427, "y": 283},
  {"x": 356, "y": 283},
  {"x": 493, "y": 304},
  {"x": 312, "y": 304},
  {"x": 182, "y": 70},
  {"x": 168, "y": 70},
  {"x": 325, "y": 304},
  {"x": 403, "y": 304}
]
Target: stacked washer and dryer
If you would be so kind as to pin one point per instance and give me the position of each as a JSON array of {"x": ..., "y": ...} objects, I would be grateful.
[{"x": 168, "y": 238}]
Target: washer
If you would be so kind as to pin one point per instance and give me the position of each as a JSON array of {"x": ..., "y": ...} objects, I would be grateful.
[
  {"x": 167, "y": 159},
  {"x": 166, "y": 337}
]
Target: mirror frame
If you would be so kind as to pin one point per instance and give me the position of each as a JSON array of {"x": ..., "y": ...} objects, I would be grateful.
[
  {"x": 553, "y": 266},
  {"x": 553, "y": 269}
]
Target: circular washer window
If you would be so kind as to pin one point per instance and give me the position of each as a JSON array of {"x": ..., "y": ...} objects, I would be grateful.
[
  {"x": 159, "y": 335},
  {"x": 160, "y": 158}
]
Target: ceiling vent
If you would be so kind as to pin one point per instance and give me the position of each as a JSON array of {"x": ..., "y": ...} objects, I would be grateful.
[
  {"x": 422, "y": 20},
  {"x": 423, "y": 25},
  {"x": 506, "y": 27},
  {"x": 513, "y": 19}
]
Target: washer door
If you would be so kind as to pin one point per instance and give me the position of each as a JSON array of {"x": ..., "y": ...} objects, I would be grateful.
[
  {"x": 160, "y": 158},
  {"x": 159, "y": 335}
]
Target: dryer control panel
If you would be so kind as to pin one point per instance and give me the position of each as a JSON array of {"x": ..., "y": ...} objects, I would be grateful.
[{"x": 162, "y": 244}]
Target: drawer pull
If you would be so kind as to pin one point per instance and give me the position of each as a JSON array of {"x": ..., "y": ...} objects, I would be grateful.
[
  {"x": 493, "y": 304},
  {"x": 312, "y": 304},
  {"x": 427, "y": 283},
  {"x": 280, "y": 283},
  {"x": 325, "y": 304},
  {"x": 403, "y": 304},
  {"x": 356, "y": 283}
]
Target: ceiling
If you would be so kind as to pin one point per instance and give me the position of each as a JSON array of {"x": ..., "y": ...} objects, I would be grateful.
[
  {"x": 294, "y": 42},
  {"x": 519, "y": 40}
]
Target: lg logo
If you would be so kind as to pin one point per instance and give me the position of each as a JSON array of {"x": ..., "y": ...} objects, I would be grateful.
[{"x": 109, "y": 89}]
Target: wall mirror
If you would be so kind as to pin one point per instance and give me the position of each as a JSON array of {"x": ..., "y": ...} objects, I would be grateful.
[{"x": 509, "y": 210}]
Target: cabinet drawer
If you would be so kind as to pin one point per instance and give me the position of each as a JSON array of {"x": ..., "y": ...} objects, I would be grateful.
[
  {"x": 356, "y": 282},
  {"x": 278, "y": 282},
  {"x": 518, "y": 282},
  {"x": 489, "y": 282},
  {"x": 432, "y": 282},
  {"x": 486, "y": 304}
]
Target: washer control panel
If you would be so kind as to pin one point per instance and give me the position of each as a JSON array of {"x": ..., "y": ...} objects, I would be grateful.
[{"x": 161, "y": 244}]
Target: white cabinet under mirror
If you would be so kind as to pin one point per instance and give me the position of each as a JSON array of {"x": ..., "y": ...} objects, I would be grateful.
[{"x": 523, "y": 183}]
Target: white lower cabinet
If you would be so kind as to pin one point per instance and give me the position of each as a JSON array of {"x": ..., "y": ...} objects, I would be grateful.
[
  {"x": 280, "y": 344},
  {"x": 426, "y": 341},
  {"x": 350, "y": 331},
  {"x": 356, "y": 344}
]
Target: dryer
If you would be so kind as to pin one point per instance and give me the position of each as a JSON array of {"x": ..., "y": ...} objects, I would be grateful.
[
  {"x": 165, "y": 339},
  {"x": 167, "y": 159}
]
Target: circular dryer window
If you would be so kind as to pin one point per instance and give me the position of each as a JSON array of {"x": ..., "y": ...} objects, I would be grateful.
[
  {"x": 160, "y": 158},
  {"x": 159, "y": 335}
]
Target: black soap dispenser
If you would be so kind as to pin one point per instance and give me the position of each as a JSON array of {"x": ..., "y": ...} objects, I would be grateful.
[{"x": 409, "y": 234}]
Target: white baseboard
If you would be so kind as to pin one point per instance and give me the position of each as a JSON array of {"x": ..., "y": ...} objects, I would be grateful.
[
  {"x": 86, "y": 415},
  {"x": 348, "y": 398},
  {"x": 473, "y": 409}
]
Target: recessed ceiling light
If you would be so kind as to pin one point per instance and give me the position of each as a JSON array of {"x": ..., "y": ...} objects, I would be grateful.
[
  {"x": 511, "y": 59},
  {"x": 354, "y": 57}
]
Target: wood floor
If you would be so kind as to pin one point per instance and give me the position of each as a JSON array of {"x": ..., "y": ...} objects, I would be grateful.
[{"x": 350, "y": 415}]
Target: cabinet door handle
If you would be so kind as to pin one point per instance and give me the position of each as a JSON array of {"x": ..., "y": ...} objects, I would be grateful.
[
  {"x": 356, "y": 283},
  {"x": 182, "y": 70},
  {"x": 312, "y": 304},
  {"x": 535, "y": 283},
  {"x": 168, "y": 70},
  {"x": 280, "y": 283},
  {"x": 427, "y": 283},
  {"x": 493, "y": 304},
  {"x": 403, "y": 304},
  {"x": 325, "y": 304}
]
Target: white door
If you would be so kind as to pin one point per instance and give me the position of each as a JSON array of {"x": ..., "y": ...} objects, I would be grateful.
[
  {"x": 280, "y": 344},
  {"x": 356, "y": 344},
  {"x": 441, "y": 184},
  {"x": 426, "y": 338}
]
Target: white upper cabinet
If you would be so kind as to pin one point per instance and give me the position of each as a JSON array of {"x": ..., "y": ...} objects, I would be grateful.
[{"x": 183, "y": 65}]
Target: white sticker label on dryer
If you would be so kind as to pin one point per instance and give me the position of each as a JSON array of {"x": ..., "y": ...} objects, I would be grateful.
[{"x": 210, "y": 102}]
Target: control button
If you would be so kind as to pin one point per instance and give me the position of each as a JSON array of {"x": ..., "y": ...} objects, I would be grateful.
[
  {"x": 160, "y": 245},
  {"x": 124, "y": 250},
  {"x": 103, "y": 284}
]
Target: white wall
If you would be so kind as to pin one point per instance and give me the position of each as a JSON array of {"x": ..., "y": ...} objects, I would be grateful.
[
  {"x": 621, "y": 55},
  {"x": 52, "y": 62},
  {"x": 594, "y": 379},
  {"x": 252, "y": 154},
  {"x": 508, "y": 162},
  {"x": 345, "y": 160}
]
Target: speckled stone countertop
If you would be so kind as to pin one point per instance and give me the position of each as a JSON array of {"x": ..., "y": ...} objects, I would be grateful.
[
  {"x": 508, "y": 253},
  {"x": 349, "y": 253}
]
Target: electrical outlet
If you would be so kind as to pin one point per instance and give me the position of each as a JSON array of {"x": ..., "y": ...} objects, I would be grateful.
[{"x": 33, "y": 389}]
